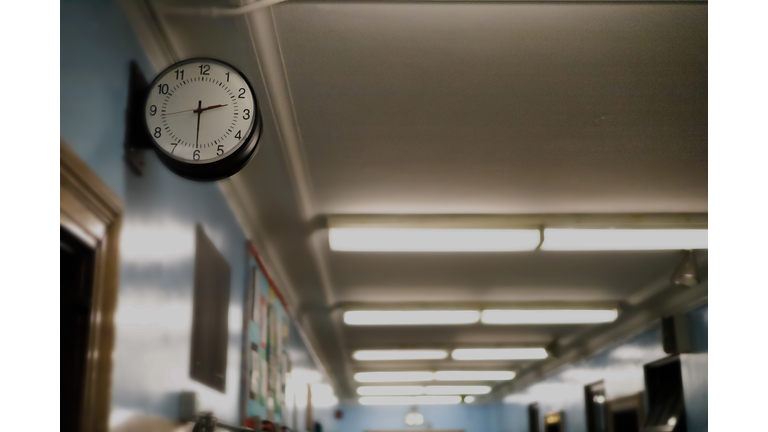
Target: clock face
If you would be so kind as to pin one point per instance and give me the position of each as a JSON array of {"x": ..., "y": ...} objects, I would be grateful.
[{"x": 202, "y": 112}]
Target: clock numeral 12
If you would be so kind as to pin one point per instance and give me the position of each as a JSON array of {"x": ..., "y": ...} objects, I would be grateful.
[{"x": 204, "y": 69}]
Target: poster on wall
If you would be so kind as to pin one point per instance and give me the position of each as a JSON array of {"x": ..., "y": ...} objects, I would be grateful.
[
  {"x": 263, "y": 322},
  {"x": 255, "y": 371},
  {"x": 256, "y": 295}
]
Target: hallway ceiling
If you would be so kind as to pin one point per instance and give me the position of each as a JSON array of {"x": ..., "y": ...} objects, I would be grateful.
[{"x": 461, "y": 108}]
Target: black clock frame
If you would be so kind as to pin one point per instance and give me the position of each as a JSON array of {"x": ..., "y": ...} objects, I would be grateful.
[{"x": 222, "y": 168}]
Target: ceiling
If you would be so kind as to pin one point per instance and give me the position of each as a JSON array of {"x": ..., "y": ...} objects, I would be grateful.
[{"x": 481, "y": 108}]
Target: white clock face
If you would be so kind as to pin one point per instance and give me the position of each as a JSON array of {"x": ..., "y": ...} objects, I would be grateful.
[{"x": 200, "y": 112}]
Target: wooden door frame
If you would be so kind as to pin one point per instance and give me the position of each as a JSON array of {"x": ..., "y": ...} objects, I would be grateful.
[{"x": 93, "y": 213}]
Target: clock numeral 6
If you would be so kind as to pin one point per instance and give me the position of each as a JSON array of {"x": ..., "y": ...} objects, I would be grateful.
[
  {"x": 162, "y": 88},
  {"x": 220, "y": 150},
  {"x": 196, "y": 155},
  {"x": 157, "y": 132},
  {"x": 153, "y": 110},
  {"x": 246, "y": 114}
]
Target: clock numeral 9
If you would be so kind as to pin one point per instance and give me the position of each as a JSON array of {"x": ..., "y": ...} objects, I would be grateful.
[
  {"x": 179, "y": 72},
  {"x": 204, "y": 69},
  {"x": 153, "y": 110},
  {"x": 162, "y": 88},
  {"x": 157, "y": 132},
  {"x": 242, "y": 93},
  {"x": 196, "y": 155},
  {"x": 246, "y": 114},
  {"x": 220, "y": 150}
]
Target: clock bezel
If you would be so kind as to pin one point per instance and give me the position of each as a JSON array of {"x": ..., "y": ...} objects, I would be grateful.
[{"x": 219, "y": 169}]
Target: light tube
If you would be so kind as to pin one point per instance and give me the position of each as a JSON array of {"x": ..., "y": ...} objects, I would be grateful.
[
  {"x": 549, "y": 316},
  {"x": 474, "y": 375},
  {"x": 500, "y": 354},
  {"x": 390, "y": 390},
  {"x": 410, "y": 400},
  {"x": 556, "y": 239},
  {"x": 368, "y": 355},
  {"x": 469, "y": 399},
  {"x": 429, "y": 317},
  {"x": 456, "y": 390},
  {"x": 393, "y": 376},
  {"x": 432, "y": 240}
]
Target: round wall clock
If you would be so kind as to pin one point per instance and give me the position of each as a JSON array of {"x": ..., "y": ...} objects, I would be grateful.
[{"x": 204, "y": 119}]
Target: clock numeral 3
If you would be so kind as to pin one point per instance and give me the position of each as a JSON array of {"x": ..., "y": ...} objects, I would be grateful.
[
  {"x": 162, "y": 88},
  {"x": 153, "y": 110},
  {"x": 204, "y": 69},
  {"x": 246, "y": 114},
  {"x": 196, "y": 155},
  {"x": 157, "y": 132},
  {"x": 242, "y": 94},
  {"x": 220, "y": 150}
]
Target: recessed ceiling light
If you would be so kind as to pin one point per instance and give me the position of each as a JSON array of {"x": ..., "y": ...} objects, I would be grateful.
[
  {"x": 390, "y": 390},
  {"x": 500, "y": 354},
  {"x": 428, "y": 317},
  {"x": 456, "y": 390},
  {"x": 556, "y": 316},
  {"x": 394, "y": 376},
  {"x": 474, "y": 375},
  {"x": 432, "y": 240},
  {"x": 469, "y": 399},
  {"x": 410, "y": 400},
  {"x": 556, "y": 239},
  {"x": 366, "y": 355}
]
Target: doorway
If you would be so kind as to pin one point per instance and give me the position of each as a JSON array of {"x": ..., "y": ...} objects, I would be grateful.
[
  {"x": 75, "y": 285},
  {"x": 90, "y": 221}
]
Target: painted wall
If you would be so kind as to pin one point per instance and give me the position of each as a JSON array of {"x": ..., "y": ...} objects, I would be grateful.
[{"x": 153, "y": 321}]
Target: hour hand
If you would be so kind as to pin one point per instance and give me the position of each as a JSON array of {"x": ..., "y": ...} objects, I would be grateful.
[{"x": 210, "y": 107}]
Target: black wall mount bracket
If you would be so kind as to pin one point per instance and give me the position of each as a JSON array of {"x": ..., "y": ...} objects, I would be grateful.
[{"x": 136, "y": 137}]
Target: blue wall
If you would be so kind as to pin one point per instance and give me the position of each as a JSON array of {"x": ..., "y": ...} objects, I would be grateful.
[
  {"x": 466, "y": 417},
  {"x": 153, "y": 320}
]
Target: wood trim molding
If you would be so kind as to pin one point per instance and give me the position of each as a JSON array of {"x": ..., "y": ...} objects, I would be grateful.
[{"x": 93, "y": 213}]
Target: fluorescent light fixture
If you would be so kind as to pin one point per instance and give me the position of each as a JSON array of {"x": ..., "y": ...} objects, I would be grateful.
[
  {"x": 429, "y": 317},
  {"x": 500, "y": 354},
  {"x": 366, "y": 355},
  {"x": 474, "y": 375},
  {"x": 414, "y": 419},
  {"x": 456, "y": 390},
  {"x": 409, "y": 400},
  {"x": 557, "y": 316},
  {"x": 391, "y": 390},
  {"x": 432, "y": 240},
  {"x": 556, "y": 239},
  {"x": 469, "y": 399},
  {"x": 393, "y": 376}
]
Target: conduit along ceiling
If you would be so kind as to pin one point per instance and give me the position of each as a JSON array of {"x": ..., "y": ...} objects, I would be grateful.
[{"x": 447, "y": 150}]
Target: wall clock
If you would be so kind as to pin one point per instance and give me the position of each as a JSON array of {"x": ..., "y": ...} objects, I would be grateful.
[{"x": 203, "y": 118}]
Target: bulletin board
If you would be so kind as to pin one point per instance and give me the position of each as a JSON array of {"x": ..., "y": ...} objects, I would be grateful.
[{"x": 268, "y": 327}]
